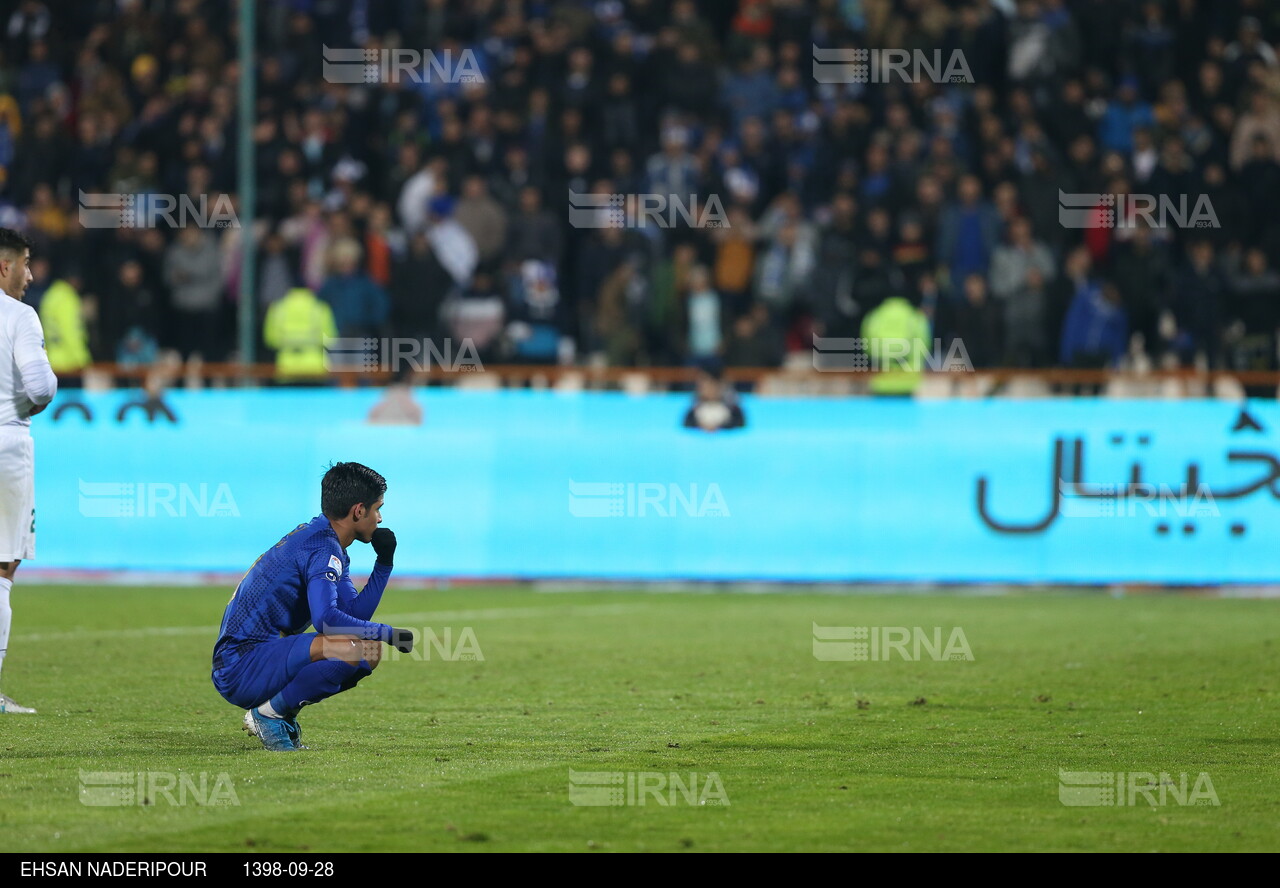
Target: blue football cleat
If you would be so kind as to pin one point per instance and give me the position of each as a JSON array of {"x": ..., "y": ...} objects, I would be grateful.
[
  {"x": 273, "y": 732},
  {"x": 295, "y": 733}
]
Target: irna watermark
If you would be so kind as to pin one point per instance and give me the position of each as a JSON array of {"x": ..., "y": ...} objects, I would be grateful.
[
  {"x": 364, "y": 354},
  {"x": 111, "y": 210},
  {"x": 639, "y": 788},
  {"x": 1134, "y": 500},
  {"x": 1103, "y": 789},
  {"x": 645, "y": 499},
  {"x": 889, "y": 66},
  {"x": 441, "y": 643},
  {"x": 1087, "y": 210},
  {"x": 116, "y": 789},
  {"x": 156, "y": 499},
  {"x": 645, "y": 210},
  {"x": 834, "y": 354},
  {"x": 398, "y": 65},
  {"x": 876, "y": 643}
]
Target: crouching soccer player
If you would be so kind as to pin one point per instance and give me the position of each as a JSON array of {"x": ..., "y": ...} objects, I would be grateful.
[{"x": 264, "y": 662}]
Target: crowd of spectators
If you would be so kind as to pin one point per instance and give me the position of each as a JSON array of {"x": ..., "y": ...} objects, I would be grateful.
[{"x": 436, "y": 206}]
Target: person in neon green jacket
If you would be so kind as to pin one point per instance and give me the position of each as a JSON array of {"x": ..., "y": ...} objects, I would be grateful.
[
  {"x": 898, "y": 336},
  {"x": 65, "y": 337},
  {"x": 297, "y": 327}
]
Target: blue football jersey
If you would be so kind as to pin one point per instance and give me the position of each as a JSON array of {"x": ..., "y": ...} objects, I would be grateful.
[{"x": 303, "y": 580}]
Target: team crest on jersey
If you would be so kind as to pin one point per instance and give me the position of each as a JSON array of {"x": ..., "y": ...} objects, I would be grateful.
[{"x": 335, "y": 569}]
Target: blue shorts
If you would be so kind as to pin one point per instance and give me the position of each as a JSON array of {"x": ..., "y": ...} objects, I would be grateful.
[{"x": 263, "y": 669}]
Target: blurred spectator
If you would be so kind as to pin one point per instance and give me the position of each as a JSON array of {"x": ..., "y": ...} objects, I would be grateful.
[
  {"x": 673, "y": 173},
  {"x": 1021, "y": 271},
  {"x": 978, "y": 323},
  {"x": 1262, "y": 172},
  {"x": 912, "y": 255},
  {"x": 617, "y": 327},
  {"x": 753, "y": 341},
  {"x": 193, "y": 272},
  {"x": 1200, "y": 292},
  {"x": 832, "y": 286},
  {"x": 478, "y": 318},
  {"x": 1255, "y": 313},
  {"x": 1229, "y": 205},
  {"x": 715, "y": 406},
  {"x": 750, "y": 91},
  {"x": 483, "y": 218},
  {"x": 536, "y": 315},
  {"x": 1140, "y": 271},
  {"x": 129, "y": 303},
  {"x": 360, "y": 307},
  {"x": 419, "y": 286},
  {"x": 1123, "y": 116},
  {"x": 704, "y": 322},
  {"x": 397, "y": 405},
  {"x": 1249, "y": 47},
  {"x": 666, "y": 291},
  {"x": 969, "y": 232},
  {"x": 276, "y": 265},
  {"x": 417, "y": 192},
  {"x": 534, "y": 233},
  {"x": 734, "y": 247},
  {"x": 784, "y": 266},
  {"x": 382, "y": 243},
  {"x": 137, "y": 348},
  {"x": 454, "y": 247},
  {"x": 837, "y": 194},
  {"x": 1096, "y": 331}
]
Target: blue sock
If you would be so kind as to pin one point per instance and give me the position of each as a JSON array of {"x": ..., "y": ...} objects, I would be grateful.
[
  {"x": 317, "y": 681},
  {"x": 364, "y": 670}
]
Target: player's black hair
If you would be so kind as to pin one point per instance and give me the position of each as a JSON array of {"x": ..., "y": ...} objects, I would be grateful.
[
  {"x": 347, "y": 483},
  {"x": 13, "y": 242}
]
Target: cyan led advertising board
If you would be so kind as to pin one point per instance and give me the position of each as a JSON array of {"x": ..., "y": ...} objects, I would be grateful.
[{"x": 544, "y": 484}]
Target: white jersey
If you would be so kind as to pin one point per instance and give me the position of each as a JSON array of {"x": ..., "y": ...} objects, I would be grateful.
[{"x": 21, "y": 346}]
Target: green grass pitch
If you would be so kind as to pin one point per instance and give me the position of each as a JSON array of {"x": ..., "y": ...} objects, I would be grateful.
[{"x": 475, "y": 754}]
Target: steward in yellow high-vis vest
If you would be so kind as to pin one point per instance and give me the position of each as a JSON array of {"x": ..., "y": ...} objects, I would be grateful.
[
  {"x": 898, "y": 338},
  {"x": 65, "y": 339},
  {"x": 297, "y": 327}
]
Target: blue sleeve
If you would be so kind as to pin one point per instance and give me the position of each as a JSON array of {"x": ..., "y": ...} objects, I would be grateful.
[
  {"x": 364, "y": 604},
  {"x": 322, "y": 599},
  {"x": 346, "y": 590}
]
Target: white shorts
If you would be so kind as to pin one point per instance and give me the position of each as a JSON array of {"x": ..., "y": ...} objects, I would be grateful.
[{"x": 17, "y": 495}]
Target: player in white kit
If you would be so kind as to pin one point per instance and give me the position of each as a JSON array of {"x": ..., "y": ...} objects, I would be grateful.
[{"x": 27, "y": 385}]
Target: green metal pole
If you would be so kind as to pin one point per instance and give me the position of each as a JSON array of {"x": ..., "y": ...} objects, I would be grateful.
[{"x": 248, "y": 185}]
